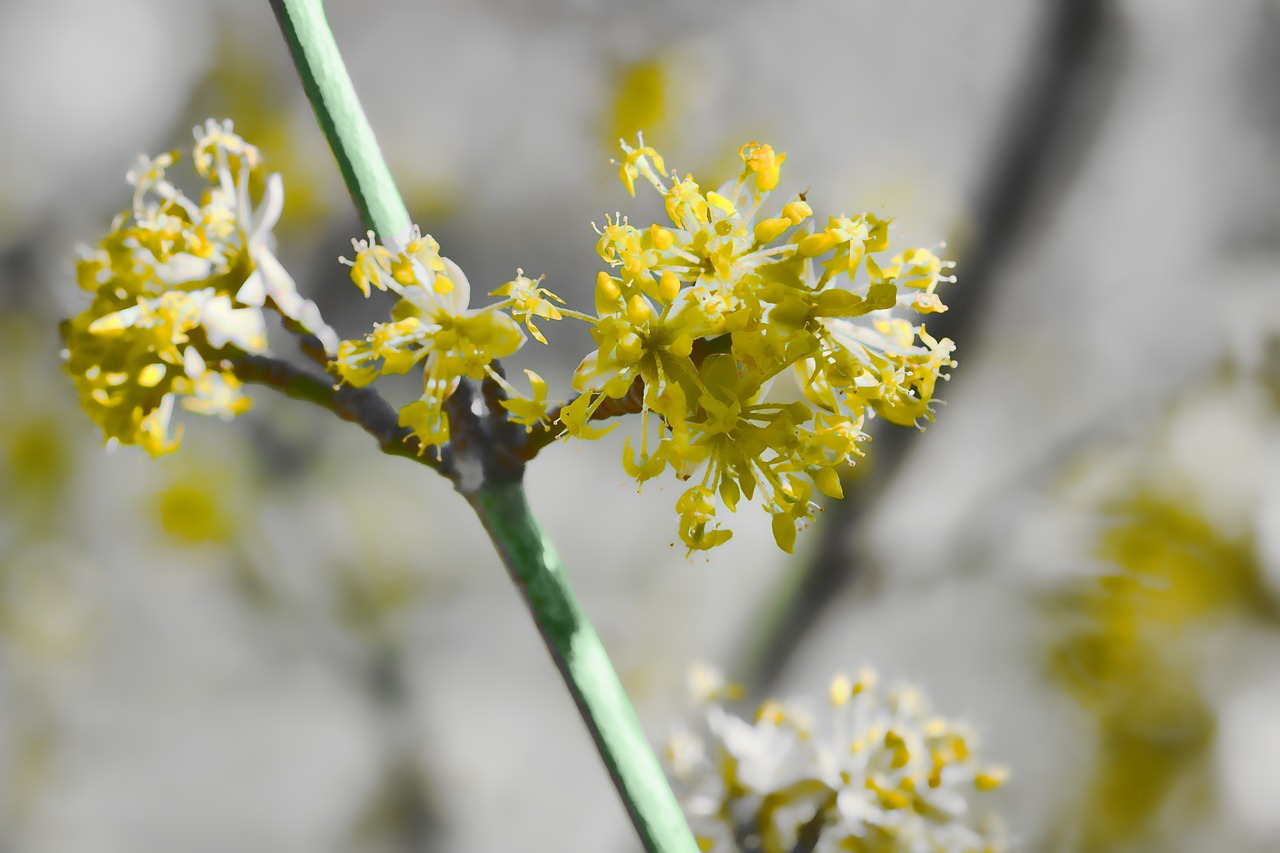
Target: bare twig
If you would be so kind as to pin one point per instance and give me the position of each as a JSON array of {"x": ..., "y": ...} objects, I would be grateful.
[
  {"x": 630, "y": 403},
  {"x": 1036, "y": 139},
  {"x": 362, "y": 406}
]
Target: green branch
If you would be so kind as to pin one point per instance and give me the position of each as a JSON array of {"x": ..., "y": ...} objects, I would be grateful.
[
  {"x": 341, "y": 118},
  {"x": 498, "y": 498},
  {"x": 576, "y": 648}
]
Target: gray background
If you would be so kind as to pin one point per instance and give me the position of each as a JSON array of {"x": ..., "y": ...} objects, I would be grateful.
[{"x": 330, "y": 657}]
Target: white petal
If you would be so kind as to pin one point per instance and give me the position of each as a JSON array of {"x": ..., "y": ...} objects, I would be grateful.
[
  {"x": 244, "y": 327},
  {"x": 193, "y": 363},
  {"x": 253, "y": 291},
  {"x": 460, "y": 297}
]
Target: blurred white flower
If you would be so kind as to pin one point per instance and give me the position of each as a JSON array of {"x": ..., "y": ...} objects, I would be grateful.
[{"x": 874, "y": 772}]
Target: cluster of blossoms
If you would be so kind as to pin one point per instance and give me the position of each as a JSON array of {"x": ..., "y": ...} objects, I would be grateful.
[
  {"x": 432, "y": 324},
  {"x": 706, "y": 312},
  {"x": 876, "y": 773},
  {"x": 693, "y": 322},
  {"x": 179, "y": 288}
]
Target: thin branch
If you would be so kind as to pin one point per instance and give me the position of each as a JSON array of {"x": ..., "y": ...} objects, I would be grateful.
[
  {"x": 498, "y": 497},
  {"x": 362, "y": 406},
  {"x": 1045, "y": 122},
  {"x": 584, "y": 665},
  {"x": 341, "y": 118},
  {"x": 308, "y": 344}
]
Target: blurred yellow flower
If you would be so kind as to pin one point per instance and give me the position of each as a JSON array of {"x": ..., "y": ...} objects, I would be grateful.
[{"x": 179, "y": 288}]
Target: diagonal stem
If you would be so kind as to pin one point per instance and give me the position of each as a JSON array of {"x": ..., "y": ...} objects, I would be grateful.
[
  {"x": 340, "y": 116},
  {"x": 498, "y": 497},
  {"x": 584, "y": 664}
]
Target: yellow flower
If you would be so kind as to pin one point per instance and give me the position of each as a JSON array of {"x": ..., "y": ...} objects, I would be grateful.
[
  {"x": 433, "y": 325},
  {"x": 766, "y": 165},
  {"x": 528, "y": 411},
  {"x": 639, "y": 161},
  {"x": 704, "y": 312},
  {"x": 179, "y": 289},
  {"x": 528, "y": 299}
]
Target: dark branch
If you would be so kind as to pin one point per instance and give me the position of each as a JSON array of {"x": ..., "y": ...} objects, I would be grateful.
[
  {"x": 631, "y": 403},
  {"x": 1045, "y": 124},
  {"x": 362, "y": 406}
]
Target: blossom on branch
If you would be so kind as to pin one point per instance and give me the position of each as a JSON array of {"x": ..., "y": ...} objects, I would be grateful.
[
  {"x": 433, "y": 325},
  {"x": 179, "y": 288},
  {"x": 708, "y": 309}
]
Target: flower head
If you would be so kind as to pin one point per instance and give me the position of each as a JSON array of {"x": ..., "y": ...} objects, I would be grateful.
[
  {"x": 872, "y": 771},
  {"x": 704, "y": 312},
  {"x": 528, "y": 299},
  {"x": 433, "y": 325},
  {"x": 178, "y": 290}
]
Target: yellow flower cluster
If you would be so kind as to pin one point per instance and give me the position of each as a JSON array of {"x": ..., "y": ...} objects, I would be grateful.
[
  {"x": 179, "y": 287},
  {"x": 701, "y": 314},
  {"x": 694, "y": 321},
  {"x": 432, "y": 324},
  {"x": 874, "y": 772}
]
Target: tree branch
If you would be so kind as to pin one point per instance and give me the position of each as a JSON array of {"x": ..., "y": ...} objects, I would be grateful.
[
  {"x": 1036, "y": 136},
  {"x": 362, "y": 406}
]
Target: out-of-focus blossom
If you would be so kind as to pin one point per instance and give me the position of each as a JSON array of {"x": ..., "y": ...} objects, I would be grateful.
[
  {"x": 179, "y": 287},
  {"x": 874, "y": 771}
]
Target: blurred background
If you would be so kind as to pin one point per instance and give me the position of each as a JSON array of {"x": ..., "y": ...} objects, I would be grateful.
[{"x": 279, "y": 640}]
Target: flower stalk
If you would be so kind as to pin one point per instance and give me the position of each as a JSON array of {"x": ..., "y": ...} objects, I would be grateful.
[
  {"x": 362, "y": 406},
  {"x": 583, "y": 663},
  {"x": 340, "y": 116},
  {"x": 498, "y": 497}
]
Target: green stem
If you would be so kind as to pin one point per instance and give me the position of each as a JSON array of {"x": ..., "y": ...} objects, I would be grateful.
[
  {"x": 499, "y": 501},
  {"x": 341, "y": 118},
  {"x": 534, "y": 567}
]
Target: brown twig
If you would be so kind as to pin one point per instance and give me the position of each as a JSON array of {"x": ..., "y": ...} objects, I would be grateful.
[
  {"x": 362, "y": 406},
  {"x": 631, "y": 403},
  {"x": 1045, "y": 124}
]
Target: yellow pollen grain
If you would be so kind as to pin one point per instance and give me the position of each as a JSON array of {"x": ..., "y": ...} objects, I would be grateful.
[
  {"x": 606, "y": 286},
  {"x": 817, "y": 244},
  {"x": 841, "y": 690},
  {"x": 797, "y": 212},
  {"x": 991, "y": 779},
  {"x": 150, "y": 376},
  {"x": 768, "y": 230}
]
